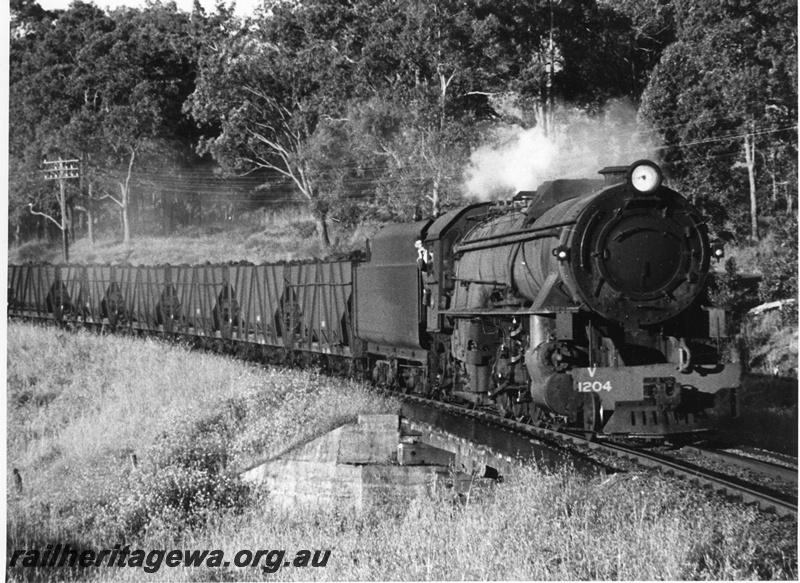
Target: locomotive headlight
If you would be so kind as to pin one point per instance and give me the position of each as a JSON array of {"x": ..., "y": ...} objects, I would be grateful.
[{"x": 645, "y": 176}]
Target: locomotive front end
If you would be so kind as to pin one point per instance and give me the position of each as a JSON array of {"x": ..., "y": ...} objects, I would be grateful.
[
  {"x": 585, "y": 304},
  {"x": 636, "y": 252}
]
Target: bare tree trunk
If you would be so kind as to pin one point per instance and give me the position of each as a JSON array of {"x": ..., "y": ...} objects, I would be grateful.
[
  {"x": 749, "y": 155},
  {"x": 71, "y": 223},
  {"x": 322, "y": 230},
  {"x": 126, "y": 226},
  {"x": 551, "y": 65},
  {"x": 774, "y": 174},
  {"x": 126, "y": 200},
  {"x": 435, "y": 196},
  {"x": 90, "y": 217},
  {"x": 64, "y": 232},
  {"x": 87, "y": 211}
]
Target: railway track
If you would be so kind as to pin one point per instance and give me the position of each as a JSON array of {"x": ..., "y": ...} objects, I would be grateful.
[
  {"x": 766, "y": 499},
  {"x": 578, "y": 447},
  {"x": 765, "y": 467}
]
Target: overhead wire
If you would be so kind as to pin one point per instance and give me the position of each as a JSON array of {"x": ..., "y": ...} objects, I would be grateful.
[
  {"x": 211, "y": 174},
  {"x": 196, "y": 181}
]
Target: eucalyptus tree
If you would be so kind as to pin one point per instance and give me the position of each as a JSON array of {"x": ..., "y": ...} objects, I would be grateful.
[
  {"x": 434, "y": 76},
  {"x": 264, "y": 93},
  {"x": 144, "y": 79},
  {"x": 106, "y": 88},
  {"x": 345, "y": 98},
  {"x": 43, "y": 55},
  {"x": 724, "y": 97}
]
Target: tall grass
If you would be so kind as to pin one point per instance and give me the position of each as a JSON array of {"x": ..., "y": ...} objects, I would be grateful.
[
  {"x": 535, "y": 526},
  {"x": 754, "y": 257},
  {"x": 258, "y": 237},
  {"x": 79, "y": 405}
]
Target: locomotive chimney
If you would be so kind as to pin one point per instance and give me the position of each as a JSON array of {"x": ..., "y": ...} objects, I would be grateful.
[{"x": 614, "y": 174}]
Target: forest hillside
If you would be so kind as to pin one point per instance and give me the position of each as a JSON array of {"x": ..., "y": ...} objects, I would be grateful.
[{"x": 151, "y": 134}]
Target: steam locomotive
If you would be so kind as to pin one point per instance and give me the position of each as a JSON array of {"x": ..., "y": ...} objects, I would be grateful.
[{"x": 580, "y": 305}]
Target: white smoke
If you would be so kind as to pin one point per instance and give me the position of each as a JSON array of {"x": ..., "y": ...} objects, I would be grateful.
[{"x": 514, "y": 158}]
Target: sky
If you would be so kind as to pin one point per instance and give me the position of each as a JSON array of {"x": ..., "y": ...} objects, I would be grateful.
[{"x": 243, "y": 7}]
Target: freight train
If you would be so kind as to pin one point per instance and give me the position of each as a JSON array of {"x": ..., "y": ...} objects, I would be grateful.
[{"x": 581, "y": 305}]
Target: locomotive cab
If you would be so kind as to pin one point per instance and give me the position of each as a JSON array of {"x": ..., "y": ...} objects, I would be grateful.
[{"x": 389, "y": 314}]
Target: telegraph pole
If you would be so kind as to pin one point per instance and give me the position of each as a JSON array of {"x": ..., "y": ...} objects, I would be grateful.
[
  {"x": 550, "y": 118},
  {"x": 62, "y": 170}
]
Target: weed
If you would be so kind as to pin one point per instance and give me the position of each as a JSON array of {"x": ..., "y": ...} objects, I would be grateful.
[
  {"x": 80, "y": 405},
  {"x": 195, "y": 419}
]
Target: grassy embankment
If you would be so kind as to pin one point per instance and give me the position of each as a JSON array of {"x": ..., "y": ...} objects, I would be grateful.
[
  {"x": 79, "y": 405},
  {"x": 258, "y": 237}
]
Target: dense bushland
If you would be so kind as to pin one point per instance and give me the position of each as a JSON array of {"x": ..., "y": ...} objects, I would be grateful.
[{"x": 368, "y": 110}]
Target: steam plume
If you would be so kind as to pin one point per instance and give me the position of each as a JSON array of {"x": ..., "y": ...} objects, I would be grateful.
[{"x": 516, "y": 159}]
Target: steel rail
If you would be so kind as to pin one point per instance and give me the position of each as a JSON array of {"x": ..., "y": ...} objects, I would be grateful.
[
  {"x": 763, "y": 467},
  {"x": 766, "y": 500},
  {"x": 732, "y": 487}
]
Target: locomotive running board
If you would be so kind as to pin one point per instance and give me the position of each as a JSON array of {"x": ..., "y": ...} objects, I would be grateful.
[{"x": 532, "y": 311}]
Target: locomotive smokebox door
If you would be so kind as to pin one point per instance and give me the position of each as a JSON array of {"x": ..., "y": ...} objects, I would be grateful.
[{"x": 637, "y": 257}]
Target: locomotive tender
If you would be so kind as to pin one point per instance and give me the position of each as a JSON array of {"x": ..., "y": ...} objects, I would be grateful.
[{"x": 579, "y": 305}]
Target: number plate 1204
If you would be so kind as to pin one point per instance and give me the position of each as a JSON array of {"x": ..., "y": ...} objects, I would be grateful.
[{"x": 593, "y": 386}]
